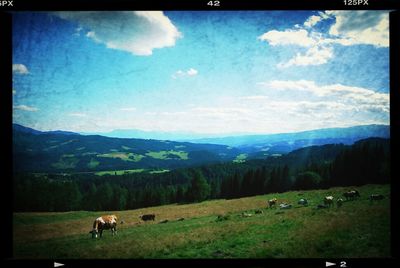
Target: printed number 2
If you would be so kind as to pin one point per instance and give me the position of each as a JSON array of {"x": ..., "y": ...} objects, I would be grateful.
[
  {"x": 213, "y": 3},
  {"x": 343, "y": 264}
]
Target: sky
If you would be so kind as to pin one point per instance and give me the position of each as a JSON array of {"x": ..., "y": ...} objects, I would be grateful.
[{"x": 219, "y": 72}]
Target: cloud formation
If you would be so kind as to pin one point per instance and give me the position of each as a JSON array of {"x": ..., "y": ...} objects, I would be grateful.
[
  {"x": 356, "y": 97},
  {"x": 20, "y": 69},
  {"x": 288, "y": 37},
  {"x": 180, "y": 73},
  {"x": 137, "y": 32},
  {"x": 128, "y": 109},
  {"x": 314, "y": 56},
  {"x": 77, "y": 114},
  {"x": 25, "y": 108},
  {"x": 350, "y": 28},
  {"x": 361, "y": 27}
]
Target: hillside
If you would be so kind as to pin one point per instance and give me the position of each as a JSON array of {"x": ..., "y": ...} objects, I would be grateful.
[
  {"x": 63, "y": 151},
  {"x": 358, "y": 229},
  {"x": 58, "y": 151}
]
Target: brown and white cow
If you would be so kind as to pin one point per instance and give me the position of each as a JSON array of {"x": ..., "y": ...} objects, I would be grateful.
[
  {"x": 104, "y": 223},
  {"x": 272, "y": 202}
]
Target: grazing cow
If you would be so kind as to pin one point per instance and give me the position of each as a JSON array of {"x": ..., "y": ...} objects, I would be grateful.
[
  {"x": 376, "y": 197},
  {"x": 181, "y": 219},
  {"x": 285, "y": 206},
  {"x": 328, "y": 200},
  {"x": 163, "y": 221},
  {"x": 272, "y": 202},
  {"x": 351, "y": 195},
  {"x": 104, "y": 223},
  {"x": 303, "y": 202},
  {"x": 147, "y": 217},
  {"x": 339, "y": 202},
  {"x": 258, "y": 211}
]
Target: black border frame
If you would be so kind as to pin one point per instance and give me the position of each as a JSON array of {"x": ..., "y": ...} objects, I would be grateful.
[{"x": 70, "y": 5}]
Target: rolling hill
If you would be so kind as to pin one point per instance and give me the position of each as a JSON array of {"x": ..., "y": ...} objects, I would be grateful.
[
  {"x": 63, "y": 151},
  {"x": 35, "y": 151}
]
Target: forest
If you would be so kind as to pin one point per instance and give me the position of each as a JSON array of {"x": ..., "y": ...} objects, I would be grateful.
[{"x": 316, "y": 167}]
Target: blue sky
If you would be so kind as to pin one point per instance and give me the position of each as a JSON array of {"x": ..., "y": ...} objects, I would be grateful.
[{"x": 202, "y": 72}]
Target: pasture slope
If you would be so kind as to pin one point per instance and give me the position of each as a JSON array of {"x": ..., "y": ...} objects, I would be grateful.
[{"x": 358, "y": 229}]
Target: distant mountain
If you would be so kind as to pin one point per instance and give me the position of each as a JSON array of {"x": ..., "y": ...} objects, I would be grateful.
[
  {"x": 63, "y": 151},
  {"x": 286, "y": 142},
  {"x": 20, "y": 128},
  {"x": 59, "y": 151},
  {"x": 23, "y": 129}
]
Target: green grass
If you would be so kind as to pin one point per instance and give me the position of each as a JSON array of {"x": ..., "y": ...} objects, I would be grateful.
[
  {"x": 357, "y": 229},
  {"x": 93, "y": 163},
  {"x": 125, "y": 156},
  {"x": 66, "y": 161},
  {"x": 119, "y": 172},
  {"x": 164, "y": 155},
  {"x": 158, "y": 171},
  {"x": 240, "y": 158}
]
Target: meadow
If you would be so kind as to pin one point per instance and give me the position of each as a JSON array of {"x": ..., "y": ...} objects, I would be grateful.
[{"x": 358, "y": 229}]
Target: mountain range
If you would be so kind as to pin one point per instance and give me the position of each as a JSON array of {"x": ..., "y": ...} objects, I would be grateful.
[{"x": 64, "y": 151}]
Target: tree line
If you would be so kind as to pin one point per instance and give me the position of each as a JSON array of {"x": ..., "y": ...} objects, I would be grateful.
[{"x": 362, "y": 163}]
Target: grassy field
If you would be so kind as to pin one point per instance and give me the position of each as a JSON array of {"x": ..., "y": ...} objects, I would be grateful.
[
  {"x": 166, "y": 154},
  {"x": 119, "y": 172},
  {"x": 358, "y": 229},
  {"x": 123, "y": 156}
]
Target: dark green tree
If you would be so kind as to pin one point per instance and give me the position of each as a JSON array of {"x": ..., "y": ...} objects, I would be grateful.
[
  {"x": 307, "y": 180},
  {"x": 198, "y": 190}
]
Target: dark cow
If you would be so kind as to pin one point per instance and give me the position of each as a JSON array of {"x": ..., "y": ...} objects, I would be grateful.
[
  {"x": 351, "y": 195},
  {"x": 272, "y": 202},
  {"x": 339, "y": 202},
  {"x": 376, "y": 197},
  {"x": 104, "y": 223},
  {"x": 328, "y": 200},
  {"x": 148, "y": 217}
]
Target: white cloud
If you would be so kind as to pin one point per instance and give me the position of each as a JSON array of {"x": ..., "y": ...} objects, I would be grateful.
[
  {"x": 77, "y": 114},
  {"x": 25, "y": 108},
  {"x": 368, "y": 27},
  {"x": 137, "y": 32},
  {"x": 180, "y": 73},
  {"x": 192, "y": 72},
  {"x": 354, "y": 96},
  {"x": 288, "y": 37},
  {"x": 20, "y": 69},
  {"x": 350, "y": 28},
  {"x": 311, "y": 21},
  {"x": 14, "y": 92},
  {"x": 314, "y": 56},
  {"x": 128, "y": 109}
]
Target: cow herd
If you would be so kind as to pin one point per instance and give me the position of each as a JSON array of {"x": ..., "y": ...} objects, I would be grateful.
[
  {"x": 109, "y": 222},
  {"x": 328, "y": 201}
]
